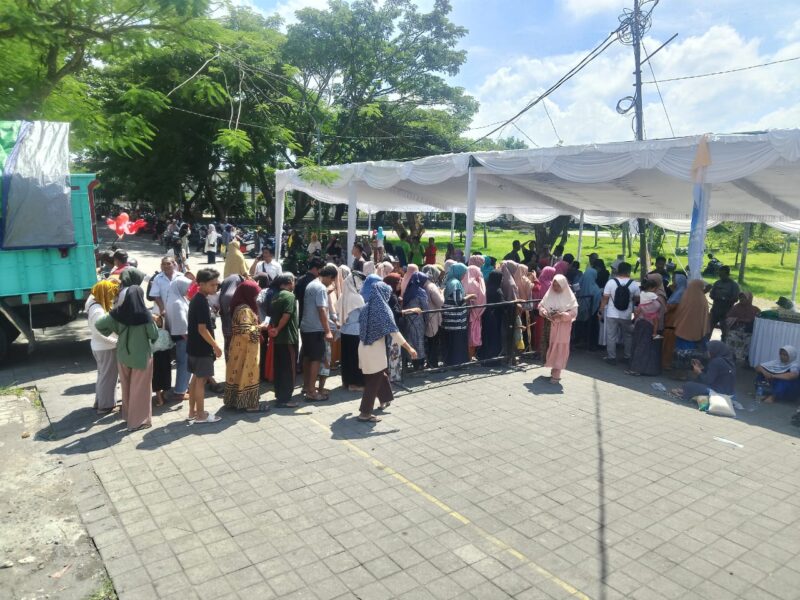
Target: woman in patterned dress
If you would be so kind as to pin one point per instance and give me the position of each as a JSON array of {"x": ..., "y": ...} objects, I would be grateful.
[{"x": 242, "y": 372}]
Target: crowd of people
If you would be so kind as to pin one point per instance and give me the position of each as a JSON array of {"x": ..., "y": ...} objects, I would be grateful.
[{"x": 394, "y": 309}]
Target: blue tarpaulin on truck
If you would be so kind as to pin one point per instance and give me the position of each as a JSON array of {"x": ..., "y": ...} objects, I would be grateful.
[{"x": 36, "y": 204}]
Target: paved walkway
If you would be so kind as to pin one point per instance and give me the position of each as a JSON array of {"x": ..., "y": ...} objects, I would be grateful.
[{"x": 484, "y": 485}]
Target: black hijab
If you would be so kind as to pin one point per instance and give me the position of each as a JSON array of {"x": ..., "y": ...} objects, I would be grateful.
[
  {"x": 494, "y": 293},
  {"x": 132, "y": 311}
]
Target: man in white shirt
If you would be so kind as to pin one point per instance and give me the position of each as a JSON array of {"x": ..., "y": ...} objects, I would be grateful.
[
  {"x": 266, "y": 263},
  {"x": 617, "y": 313},
  {"x": 160, "y": 286}
]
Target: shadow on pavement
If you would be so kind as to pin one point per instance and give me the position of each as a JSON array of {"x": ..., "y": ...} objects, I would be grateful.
[
  {"x": 541, "y": 386},
  {"x": 347, "y": 427}
]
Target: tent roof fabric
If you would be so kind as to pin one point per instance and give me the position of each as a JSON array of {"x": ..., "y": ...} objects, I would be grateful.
[{"x": 754, "y": 177}]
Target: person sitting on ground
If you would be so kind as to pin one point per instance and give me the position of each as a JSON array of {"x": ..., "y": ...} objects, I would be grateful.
[
  {"x": 780, "y": 376},
  {"x": 718, "y": 376},
  {"x": 739, "y": 324}
]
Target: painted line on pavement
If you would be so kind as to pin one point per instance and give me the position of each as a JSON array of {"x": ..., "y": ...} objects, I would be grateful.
[{"x": 570, "y": 589}]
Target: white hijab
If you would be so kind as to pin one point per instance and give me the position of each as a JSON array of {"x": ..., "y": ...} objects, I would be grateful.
[
  {"x": 350, "y": 299},
  {"x": 562, "y": 301},
  {"x": 177, "y": 306}
]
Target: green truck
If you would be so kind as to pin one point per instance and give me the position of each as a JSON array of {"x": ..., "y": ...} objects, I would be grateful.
[{"x": 48, "y": 236}]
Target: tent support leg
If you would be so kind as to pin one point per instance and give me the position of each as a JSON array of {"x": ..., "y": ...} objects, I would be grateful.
[
  {"x": 452, "y": 227},
  {"x": 745, "y": 243},
  {"x": 472, "y": 200},
  {"x": 352, "y": 216},
  {"x": 280, "y": 198},
  {"x": 580, "y": 237},
  {"x": 796, "y": 271}
]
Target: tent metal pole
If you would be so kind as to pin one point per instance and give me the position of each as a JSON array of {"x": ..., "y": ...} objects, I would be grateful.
[
  {"x": 472, "y": 201},
  {"x": 280, "y": 198},
  {"x": 796, "y": 271},
  {"x": 745, "y": 243},
  {"x": 580, "y": 237},
  {"x": 452, "y": 226},
  {"x": 369, "y": 223},
  {"x": 352, "y": 216}
]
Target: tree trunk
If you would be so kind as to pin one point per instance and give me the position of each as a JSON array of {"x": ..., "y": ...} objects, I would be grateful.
[
  {"x": 624, "y": 238},
  {"x": 302, "y": 204},
  {"x": 546, "y": 234},
  {"x": 596, "y": 235}
]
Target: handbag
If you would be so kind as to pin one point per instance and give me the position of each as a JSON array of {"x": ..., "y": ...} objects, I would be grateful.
[{"x": 164, "y": 342}]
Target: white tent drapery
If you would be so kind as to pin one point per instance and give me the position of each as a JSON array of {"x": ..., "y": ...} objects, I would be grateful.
[{"x": 752, "y": 177}]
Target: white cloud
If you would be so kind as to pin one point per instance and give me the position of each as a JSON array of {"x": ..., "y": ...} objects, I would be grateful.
[
  {"x": 583, "y": 110},
  {"x": 287, "y": 8},
  {"x": 588, "y": 8}
]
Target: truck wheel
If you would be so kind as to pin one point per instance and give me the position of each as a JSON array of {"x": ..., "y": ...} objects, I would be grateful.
[{"x": 4, "y": 344}]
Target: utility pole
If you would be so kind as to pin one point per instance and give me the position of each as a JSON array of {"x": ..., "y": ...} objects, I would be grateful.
[{"x": 636, "y": 32}]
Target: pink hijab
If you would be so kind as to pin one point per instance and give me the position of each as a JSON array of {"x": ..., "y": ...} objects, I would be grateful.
[
  {"x": 473, "y": 284},
  {"x": 546, "y": 280},
  {"x": 410, "y": 270},
  {"x": 524, "y": 284},
  {"x": 561, "y": 268},
  {"x": 476, "y": 260}
]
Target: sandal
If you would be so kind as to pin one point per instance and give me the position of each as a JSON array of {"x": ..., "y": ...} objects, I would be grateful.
[
  {"x": 314, "y": 397},
  {"x": 372, "y": 419},
  {"x": 286, "y": 405},
  {"x": 385, "y": 406},
  {"x": 209, "y": 419},
  {"x": 555, "y": 381}
]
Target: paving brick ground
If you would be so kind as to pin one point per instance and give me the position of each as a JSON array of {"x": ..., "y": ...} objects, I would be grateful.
[{"x": 481, "y": 485}]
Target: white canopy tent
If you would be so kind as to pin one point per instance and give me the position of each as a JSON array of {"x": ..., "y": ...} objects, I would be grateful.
[{"x": 752, "y": 177}]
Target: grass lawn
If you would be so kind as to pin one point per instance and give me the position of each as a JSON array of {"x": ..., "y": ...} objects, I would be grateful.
[{"x": 765, "y": 276}]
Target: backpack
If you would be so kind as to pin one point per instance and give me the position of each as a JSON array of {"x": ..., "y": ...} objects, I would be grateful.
[
  {"x": 150, "y": 286},
  {"x": 622, "y": 295}
]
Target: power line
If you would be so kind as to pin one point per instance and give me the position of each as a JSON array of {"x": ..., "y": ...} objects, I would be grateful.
[
  {"x": 658, "y": 89},
  {"x": 525, "y": 134},
  {"x": 766, "y": 64},
  {"x": 549, "y": 118},
  {"x": 594, "y": 53}
]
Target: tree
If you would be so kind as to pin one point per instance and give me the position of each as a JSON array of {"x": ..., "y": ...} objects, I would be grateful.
[
  {"x": 47, "y": 46},
  {"x": 369, "y": 84}
]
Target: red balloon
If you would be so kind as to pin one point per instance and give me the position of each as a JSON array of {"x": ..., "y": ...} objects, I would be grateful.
[{"x": 122, "y": 225}]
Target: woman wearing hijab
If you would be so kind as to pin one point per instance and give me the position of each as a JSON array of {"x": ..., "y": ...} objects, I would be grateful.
[
  {"x": 211, "y": 244},
  {"x": 589, "y": 294},
  {"x": 410, "y": 270},
  {"x": 659, "y": 291},
  {"x": 433, "y": 321},
  {"x": 226, "y": 291},
  {"x": 382, "y": 269},
  {"x": 560, "y": 307},
  {"x": 104, "y": 348},
  {"x": 284, "y": 336},
  {"x": 525, "y": 295},
  {"x": 476, "y": 260},
  {"x": 177, "y": 306},
  {"x": 668, "y": 345},
  {"x": 474, "y": 285},
  {"x": 128, "y": 277},
  {"x": 649, "y": 317},
  {"x": 135, "y": 329},
  {"x": 780, "y": 377},
  {"x": 495, "y": 319},
  {"x": 603, "y": 274},
  {"x": 235, "y": 263},
  {"x": 376, "y": 323},
  {"x": 488, "y": 266},
  {"x": 415, "y": 297},
  {"x": 718, "y": 376},
  {"x": 454, "y": 320},
  {"x": 349, "y": 309},
  {"x": 393, "y": 280},
  {"x": 162, "y": 365},
  {"x": 691, "y": 322},
  {"x": 241, "y": 367},
  {"x": 739, "y": 325},
  {"x": 542, "y": 326}
]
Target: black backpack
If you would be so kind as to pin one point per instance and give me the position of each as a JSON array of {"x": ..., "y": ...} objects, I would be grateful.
[
  {"x": 622, "y": 295},
  {"x": 150, "y": 286}
]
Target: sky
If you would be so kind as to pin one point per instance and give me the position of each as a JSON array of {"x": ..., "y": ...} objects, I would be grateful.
[{"x": 518, "y": 48}]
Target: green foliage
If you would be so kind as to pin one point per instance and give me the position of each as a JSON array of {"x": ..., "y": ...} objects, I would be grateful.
[{"x": 235, "y": 141}]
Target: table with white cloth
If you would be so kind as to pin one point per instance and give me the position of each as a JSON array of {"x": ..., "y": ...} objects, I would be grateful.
[{"x": 769, "y": 336}]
